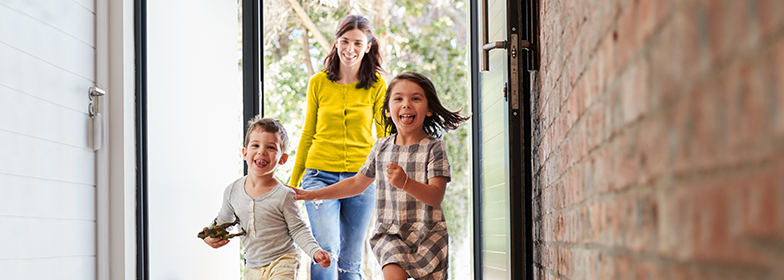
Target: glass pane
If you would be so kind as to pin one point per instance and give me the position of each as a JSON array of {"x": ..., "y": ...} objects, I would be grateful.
[{"x": 194, "y": 134}]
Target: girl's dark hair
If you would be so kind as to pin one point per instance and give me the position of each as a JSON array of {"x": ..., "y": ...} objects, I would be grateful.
[
  {"x": 442, "y": 119},
  {"x": 371, "y": 62}
]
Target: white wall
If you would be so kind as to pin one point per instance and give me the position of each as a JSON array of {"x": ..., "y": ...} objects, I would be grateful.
[{"x": 194, "y": 133}]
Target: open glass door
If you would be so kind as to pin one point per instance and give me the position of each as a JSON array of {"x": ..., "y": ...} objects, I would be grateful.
[{"x": 501, "y": 139}]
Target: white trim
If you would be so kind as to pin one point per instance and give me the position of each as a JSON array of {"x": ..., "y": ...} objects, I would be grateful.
[
  {"x": 116, "y": 200},
  {"x": 102, "y": 155}
]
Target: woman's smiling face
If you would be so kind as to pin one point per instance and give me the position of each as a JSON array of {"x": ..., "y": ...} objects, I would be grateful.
[{"x": 352, "y": 47}]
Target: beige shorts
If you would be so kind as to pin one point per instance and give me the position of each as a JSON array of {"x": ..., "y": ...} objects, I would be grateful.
[{"x": 284, "y": 268}]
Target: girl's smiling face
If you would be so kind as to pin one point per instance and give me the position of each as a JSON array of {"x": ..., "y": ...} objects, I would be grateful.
[
  {"x": 408, "y": 107},
  {"x": 352, "y": 47}
]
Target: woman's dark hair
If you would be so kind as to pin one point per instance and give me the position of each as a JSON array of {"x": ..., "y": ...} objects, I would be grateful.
[
  {"x": 442, "y": 119},
  {"x": 371, "y": 62}
]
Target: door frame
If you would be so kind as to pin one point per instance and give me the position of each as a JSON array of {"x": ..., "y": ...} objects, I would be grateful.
[{"x": 522, "y": 20}]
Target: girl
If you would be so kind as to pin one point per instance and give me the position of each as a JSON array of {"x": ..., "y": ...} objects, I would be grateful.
[
  {"x": 411, "y": 170},
  {"x": 343, "y": 101}
]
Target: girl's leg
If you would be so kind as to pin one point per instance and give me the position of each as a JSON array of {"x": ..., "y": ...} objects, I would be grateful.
[
  {"x": 355, "y": 216},
  {"x": 324, "y": 219},
  {"x": 393, "y": 271}
]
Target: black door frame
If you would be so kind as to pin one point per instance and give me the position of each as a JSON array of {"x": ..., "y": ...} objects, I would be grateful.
[
  {"x": 252, "y": 61},
  {"x": 140, "y": 61},
  {"x": 252, "y": 96},
  {"x": 522, "y": 20}
]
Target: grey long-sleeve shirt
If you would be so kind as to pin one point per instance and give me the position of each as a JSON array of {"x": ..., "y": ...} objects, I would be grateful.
[{"x": 272, "y": 221}]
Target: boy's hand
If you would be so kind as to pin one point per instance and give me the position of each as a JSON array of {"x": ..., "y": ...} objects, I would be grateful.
[
  {"x": 215, "y": 242},
  {"x": 396, "y": 176},
  {"x": 322, "y": 257}
]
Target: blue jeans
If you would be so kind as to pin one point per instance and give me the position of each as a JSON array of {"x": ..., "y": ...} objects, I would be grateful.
[{"x": 340, "y": 225}]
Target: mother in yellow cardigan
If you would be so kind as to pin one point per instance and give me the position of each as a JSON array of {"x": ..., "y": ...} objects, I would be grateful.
[{"x": 344, "y": 102}]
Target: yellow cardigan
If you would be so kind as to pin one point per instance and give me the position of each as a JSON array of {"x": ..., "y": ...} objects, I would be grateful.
[{"x": 337, "y": 134}]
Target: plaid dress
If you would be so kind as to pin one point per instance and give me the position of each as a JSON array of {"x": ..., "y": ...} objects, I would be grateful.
[{"x": 408, "y": 232}]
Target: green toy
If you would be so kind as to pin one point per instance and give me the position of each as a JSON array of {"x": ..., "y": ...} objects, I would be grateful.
[{"x": 221, "y": 231}]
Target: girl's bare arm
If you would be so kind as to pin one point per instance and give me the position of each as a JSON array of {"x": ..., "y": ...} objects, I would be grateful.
[
  {"x": 431, "y": 193},
  {"x": 346, "y": 188}
]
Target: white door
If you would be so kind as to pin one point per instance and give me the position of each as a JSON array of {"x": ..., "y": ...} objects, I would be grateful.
[{"x": 47, "y": 160}]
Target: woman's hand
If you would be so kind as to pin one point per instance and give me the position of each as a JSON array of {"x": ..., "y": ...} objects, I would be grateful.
[
  {"x": 322, "y": 257},
  {"x": 215, "y": 242},
  {"x": 396, "y": 176}
]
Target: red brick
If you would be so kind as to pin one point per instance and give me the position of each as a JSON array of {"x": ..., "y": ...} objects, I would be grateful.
[
  {"x": 613, "y": 215},
  {"x": 607, "y": 268},
  {"x": 602, "y": 167},
  {"x": 596, "y": 221},
  {"x": 595, "y": 131},
  {"x": 587, "y": 179},
  {"x": 570, "y": 25},
  {"x": 727, "y": 28},
  {"x": 674, "y": 57},
  {"x": 635, "y": 91},
  {"x": 753, "y": 115},
  {"x": 712, "y": 238},
  {"x": 572, "y": 110},
  {"x": 625, "y": 35},
  {"x": 565, "y": 262},
  {"x": 590, "y": 31},
  {"x": 624, "y": 265},
  {"x": 560, "y": 229},
  {"x": 625, "y": 169},
  {"x": 580, "y": 95},
  {"x": 605, "y": 64},
  {"x": 760, "y": 201},
  {"x": 652, "y": 147},
  {"x": 769, "y": 18},
  {"x": 650, "y": 271},
  {"x": 778, "y": 83},
  {"x": 676, "y": 225},
  {"x": 604, "y": 12},
  {"x": 648, "y": 16}
]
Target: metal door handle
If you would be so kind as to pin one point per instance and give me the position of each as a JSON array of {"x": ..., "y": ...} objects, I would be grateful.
[
  {"x": 495, "y": 45},
  {"x": 93, "y": 93}
]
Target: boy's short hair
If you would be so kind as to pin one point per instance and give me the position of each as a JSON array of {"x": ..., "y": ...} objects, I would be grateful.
[{"x": 268, "y": 125}]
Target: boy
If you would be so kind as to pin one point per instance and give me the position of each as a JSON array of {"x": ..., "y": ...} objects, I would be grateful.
[{"x": 266, "y": 209}]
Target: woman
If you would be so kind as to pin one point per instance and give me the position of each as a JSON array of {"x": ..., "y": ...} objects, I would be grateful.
[{"x": 344, "y": 102}]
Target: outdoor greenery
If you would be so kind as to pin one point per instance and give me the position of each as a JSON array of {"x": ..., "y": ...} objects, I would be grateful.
[{"x": 425, "y": 36}]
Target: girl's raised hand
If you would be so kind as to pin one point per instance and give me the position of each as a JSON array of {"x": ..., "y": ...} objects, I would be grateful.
[{"x": 396, "y": 176}]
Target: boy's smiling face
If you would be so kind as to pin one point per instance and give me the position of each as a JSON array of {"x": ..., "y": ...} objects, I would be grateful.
[{"x": 263, "y": 153}]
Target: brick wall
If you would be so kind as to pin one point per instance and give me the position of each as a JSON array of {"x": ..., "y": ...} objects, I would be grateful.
[{"x": 659, "y": 140}]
